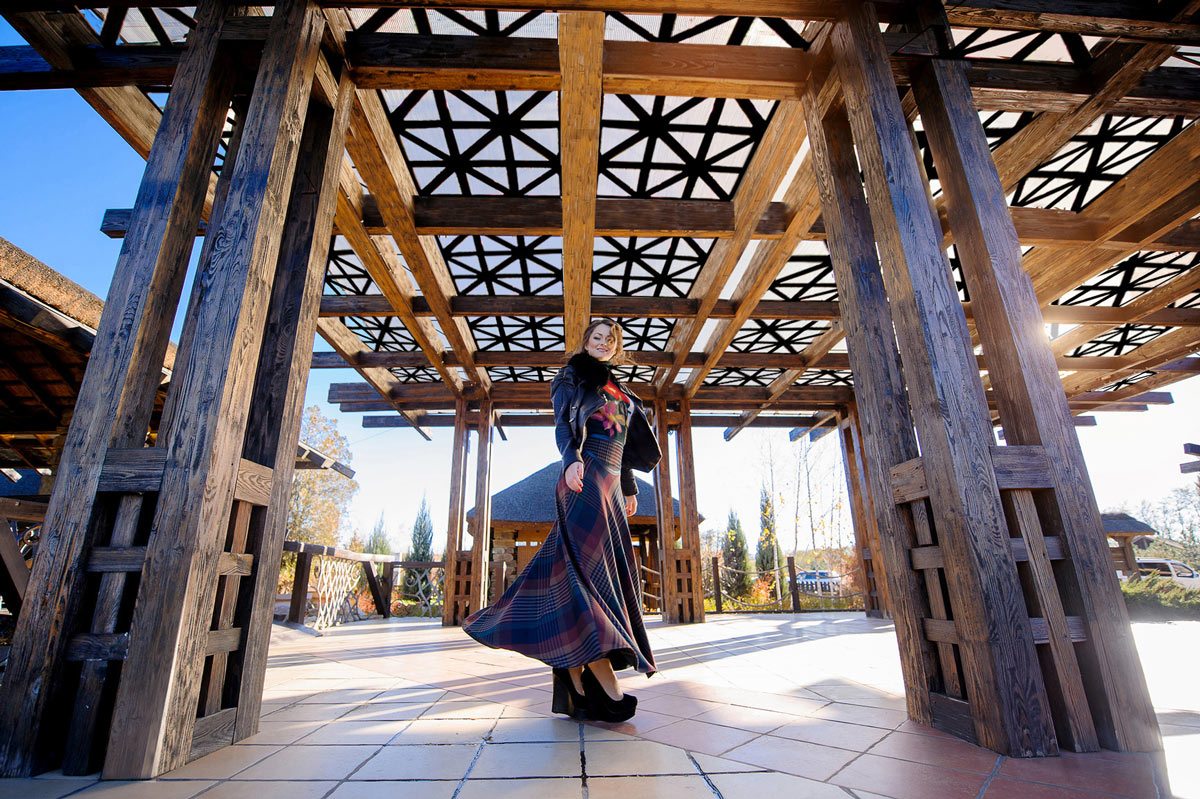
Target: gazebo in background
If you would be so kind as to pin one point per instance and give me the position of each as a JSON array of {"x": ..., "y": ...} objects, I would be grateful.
[
  {"x": 523, "y": 514},
  {"x": 1123, "y": 529}
]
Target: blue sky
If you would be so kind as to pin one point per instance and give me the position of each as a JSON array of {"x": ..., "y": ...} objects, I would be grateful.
[{"x": 62, "y": 166}]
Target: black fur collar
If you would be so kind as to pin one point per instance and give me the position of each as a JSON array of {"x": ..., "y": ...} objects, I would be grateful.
[{"x": 592, "y": 373}]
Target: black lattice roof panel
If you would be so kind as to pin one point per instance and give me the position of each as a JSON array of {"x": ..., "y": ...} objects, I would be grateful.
[
  {"x": 453, "y": 22},
  {"x": 998, "y": 128},
  {"x": 741, "y": 377},
  {"x": 634, "y": 374},
  {"x": 478, "y": 143},
  {"x": 1189, "y": 301},
  {"x": 1128, "y": 280},
  {"x": 345, "y": 273},
  {"x": 517, "y": 333},
  {"x": 826, "y": 377},
  {"x": 521, "y": 374},
  {"x": 777, "y": 335},
  {"x": 693, "y": 148},
  {"x": 504, "y": 265},
  {"x": 163, "y": 26},
  {"x": 1132, "y": 380},
  {"x": 647, "y": 267},
  {"x": 646, "y": 333},
  {"x": 1018, "y": 45},
  {"x": 1119, "y": 341},
  {"x": 682, "y": 29},
  {"x": 1187, "y": 57},
  {"x": 416, "y": 374},
  {"x": 1094, "y": 160},
  {"x": 382, "y": 333},
  {"x": 808, "y": 275}
]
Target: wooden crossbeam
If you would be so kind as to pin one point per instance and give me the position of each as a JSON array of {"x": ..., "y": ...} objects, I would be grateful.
[
  {"x": 581, "y": 38},
  {"x": 1117, "y": 69},
  {"x": 778, "y": 148},
  {"x": 347, "y": 345},
  {"x": 675, "y": 307},
  {"x": 704, "y": 219},
  {"x": 383, "y": 167},
  {"x": 814, "y": 352},
  {"x": 730, "y": 360}
]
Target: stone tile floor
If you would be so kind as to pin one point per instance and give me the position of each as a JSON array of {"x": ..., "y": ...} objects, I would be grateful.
[{"x": 744, "y": 707}]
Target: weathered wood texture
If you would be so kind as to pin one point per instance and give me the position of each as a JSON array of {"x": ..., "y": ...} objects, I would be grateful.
[
  {"x": 1002, "y": 676},
  {"x": 206, "y": 415},
  {"x": 481, "y": 521},
  {"x": 881, "y": 397},
  {"x": 581, "y": 39},
  {"x": 689, "y": 511},
  {"x": 455, "y": 596},
  {"x": 117, "y": 393},
  {"x": 1034, "y": 412}
]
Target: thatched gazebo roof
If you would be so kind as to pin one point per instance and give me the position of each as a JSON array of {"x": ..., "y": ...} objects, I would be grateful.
[{"x": 1124, "y": 524}]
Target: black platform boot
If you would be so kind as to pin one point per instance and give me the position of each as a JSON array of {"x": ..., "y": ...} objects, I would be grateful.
[
  {"x": 602, "y": 707},
  {"x": 566, "y": 699}
]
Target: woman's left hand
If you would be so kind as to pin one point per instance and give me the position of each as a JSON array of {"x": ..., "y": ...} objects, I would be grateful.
[{"x": 630, "y": 505}]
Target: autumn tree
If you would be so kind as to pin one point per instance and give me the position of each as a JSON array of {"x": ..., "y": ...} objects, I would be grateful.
[{"x": 320, "y": 497}]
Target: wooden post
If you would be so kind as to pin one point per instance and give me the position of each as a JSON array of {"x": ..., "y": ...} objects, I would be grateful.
[
  {"x": 205, "y": 419},
  {"x": 882, "y": 401},
  {"x": 1033, "y": 411},
  {"x": 716, "y": 578},
  {"x": 451, "y": 611},
  {"x": 689, "y": 515},
  {"x": 865, "y": 547},
  {"x": 299, "y": 605},
  {"x": 793, "y": 587},
  {"x": 1008, "y": 701},
  {"x": 481, "y": 522},
  {"x": 666, "y": 517},
  {"x": 116, "y": 397}
]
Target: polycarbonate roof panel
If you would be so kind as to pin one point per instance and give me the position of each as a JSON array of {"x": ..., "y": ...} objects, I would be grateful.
[
  {"x": 478, "y": 143},
  {"x": 1094, "y": 160},
  {"x": 776, "y": 335},
  {"x": 504, "y": 265},
  {"x": 647, "y": 267},
  {"x": 741, "y": 377},
  {"x": 1131, "y": 278},
  {"x": 693, "y": 148}
]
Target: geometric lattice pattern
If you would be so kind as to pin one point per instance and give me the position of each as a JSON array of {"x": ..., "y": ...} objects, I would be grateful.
[
  {"x": 808, "y": 276},
  {"x": 1094, "y": 160},
  {"x": 345, "y": 273},
  {"x": 741, "y": 377},
  {"x": 1128, "y": 280},
  {"x": 497, "y": 265},
  {"x": 681, "y": 147},
  {"x": 1120, "y": 340},
  {"x": 478, "y": 143},
  {"x": 776, "y": 335},
  {"x": 647, "y": 267}
]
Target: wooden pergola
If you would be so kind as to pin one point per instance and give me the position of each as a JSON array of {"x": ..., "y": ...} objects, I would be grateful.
[{"x": 806, "y": 213}]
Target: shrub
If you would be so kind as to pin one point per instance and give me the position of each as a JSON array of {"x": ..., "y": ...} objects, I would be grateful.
[{"x": 1157, "y": 599}]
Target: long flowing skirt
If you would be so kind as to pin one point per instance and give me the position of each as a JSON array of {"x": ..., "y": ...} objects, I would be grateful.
[{"x": 579, "y": 599}]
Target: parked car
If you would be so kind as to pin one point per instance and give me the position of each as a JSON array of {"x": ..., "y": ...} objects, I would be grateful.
[
  {"x": 818, "y": 581},
  {"x": 1174, "y": 570}
]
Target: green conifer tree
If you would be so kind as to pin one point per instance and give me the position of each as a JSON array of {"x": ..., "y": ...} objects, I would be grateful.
[
  {"x": 735, "y": 577},
  {"x": 416, "y": 582},
  {"x": 768, "y": 555}
]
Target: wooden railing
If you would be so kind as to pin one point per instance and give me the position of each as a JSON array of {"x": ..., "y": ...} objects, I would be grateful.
[{"x": 335, "y": 589}]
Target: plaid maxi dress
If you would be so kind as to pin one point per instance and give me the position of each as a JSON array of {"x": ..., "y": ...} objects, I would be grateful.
[{"x": 579, "y": 599}]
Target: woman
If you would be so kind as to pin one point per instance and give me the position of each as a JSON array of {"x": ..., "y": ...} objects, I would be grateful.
[{"x": 577, "y": 605}]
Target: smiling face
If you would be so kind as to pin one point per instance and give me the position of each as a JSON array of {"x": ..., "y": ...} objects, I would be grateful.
[{"x": 601, "y": 344}]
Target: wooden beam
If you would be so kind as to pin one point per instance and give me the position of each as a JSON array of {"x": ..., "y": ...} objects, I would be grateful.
[
  {"x": 377, "y": 154},
  {"x": 888, "y": 436},
  {"x": 351, "y": 348},
  {"x": 813, "y": 353},
  {"x": 581, "y": 40},
  {"x": 456, "y": 515},
  {"x": 481, "y": 521},
  {"x": 778, "y": 148},
  {"x": 1008, "y": 703}
]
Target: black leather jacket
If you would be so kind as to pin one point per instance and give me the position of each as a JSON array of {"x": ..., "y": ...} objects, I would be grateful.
[{"x": 576, "y": 394}]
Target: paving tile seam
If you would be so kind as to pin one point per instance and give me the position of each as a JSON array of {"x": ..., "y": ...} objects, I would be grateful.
[
  {"x": 987, "y": 782},
  {"x": 711, "y": 785},
  {"x": 470, "y": 767}
]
